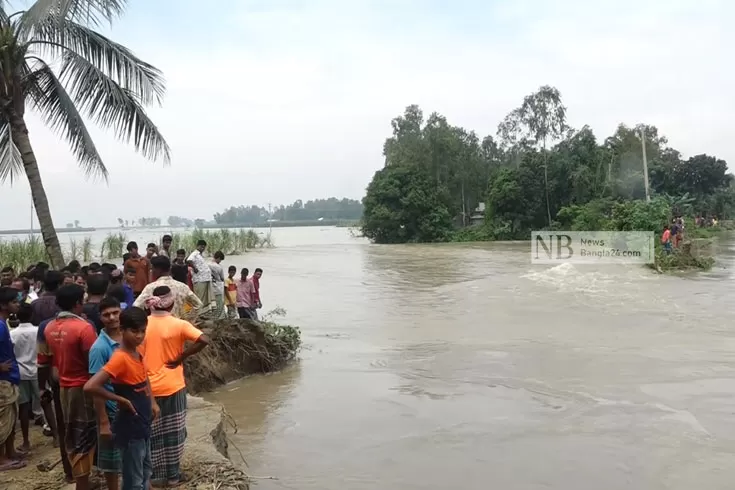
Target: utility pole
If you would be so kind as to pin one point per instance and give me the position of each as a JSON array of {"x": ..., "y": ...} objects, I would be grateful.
[{"x": 645, "y": 166}]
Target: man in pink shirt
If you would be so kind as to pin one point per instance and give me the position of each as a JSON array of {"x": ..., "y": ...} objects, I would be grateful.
[{"x": 245, "y": 296}]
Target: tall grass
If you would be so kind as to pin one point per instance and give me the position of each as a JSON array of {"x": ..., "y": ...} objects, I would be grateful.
[
  {"x": 113, "y": 246},
  {"x": 74, "y": 251},
  {"x": 87, "y": 250},
  {"x": 20, "y": 253},
  {"x": 228, "y": 241}
]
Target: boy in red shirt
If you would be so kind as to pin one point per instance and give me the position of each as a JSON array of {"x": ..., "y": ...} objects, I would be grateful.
[
  {"x": 666, "y": 239},
  {"x": 68, "y": 340}
]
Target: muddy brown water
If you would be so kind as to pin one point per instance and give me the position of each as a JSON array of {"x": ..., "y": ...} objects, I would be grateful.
[{"x": 464, "y": 366}]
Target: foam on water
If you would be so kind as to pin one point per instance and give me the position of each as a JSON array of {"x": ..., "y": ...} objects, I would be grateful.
[{"x": 568, "y": 277}]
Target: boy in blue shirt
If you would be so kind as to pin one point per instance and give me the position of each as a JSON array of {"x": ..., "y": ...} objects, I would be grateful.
[
  {"x": 137, "y": 407},
  {"x": 109, "y": 460},
  {"x": 9, "y": 381}
]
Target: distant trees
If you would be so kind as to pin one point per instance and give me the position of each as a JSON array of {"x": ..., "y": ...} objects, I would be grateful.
[
  {"x": 178, "y": 222},
  {"x": 329, "y": 209},
  {"x": 149, "y": 221}
]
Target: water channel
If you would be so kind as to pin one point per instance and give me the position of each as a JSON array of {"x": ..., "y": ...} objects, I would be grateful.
[{"x": 464, "y": 366}]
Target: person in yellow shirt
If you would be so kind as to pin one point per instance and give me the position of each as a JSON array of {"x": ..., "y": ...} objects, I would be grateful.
[{"x": 231, "y": 292}]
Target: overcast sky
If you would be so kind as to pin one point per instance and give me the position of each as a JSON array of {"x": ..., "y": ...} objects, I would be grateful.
[{"x": 273, "y": 101}]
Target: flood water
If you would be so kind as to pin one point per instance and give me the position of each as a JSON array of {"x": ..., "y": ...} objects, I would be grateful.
[{"x": 464, "y": 366}]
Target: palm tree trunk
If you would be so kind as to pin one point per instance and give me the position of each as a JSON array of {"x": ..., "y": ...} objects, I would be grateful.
[{"x": 38, "y": 193}]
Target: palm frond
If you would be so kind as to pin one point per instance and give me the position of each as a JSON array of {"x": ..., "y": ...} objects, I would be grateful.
[
  {"x": 113, "y": 106},
  {"x": 90, "y": 12},
  {"x": 113, "y": 59},
  {"x": 58, "y": 110},
  {"x": 11, "y": 163}
]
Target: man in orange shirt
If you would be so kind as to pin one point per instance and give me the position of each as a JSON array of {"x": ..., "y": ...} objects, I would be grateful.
[
  {"x": 164, "y": 351},
  {"x": 142, "y": 268},
  {"x": 69, "y": 339}
]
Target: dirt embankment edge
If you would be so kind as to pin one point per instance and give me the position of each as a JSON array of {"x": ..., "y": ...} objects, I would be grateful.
[{"x": 206, "y": 456}]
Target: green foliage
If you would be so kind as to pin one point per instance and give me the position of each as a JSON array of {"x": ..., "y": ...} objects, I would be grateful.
[
  {"x": 113, "y": 246},
  {"x": 230, "y": 242},
  {"x": 403, "y": 205},
  {"x": 327, "y": 209},
  {"x": 609, "y": 215},
  {"x": 472, "y": 234},
  {"x": 79, "y": 250},
  {"x": 87, "y": 249},
  {"x": 539, "y": 175},
  {"x": 680, "y": 260},
  {"x": 20, "y": 253},
  {"x": 74, "y": 252}
]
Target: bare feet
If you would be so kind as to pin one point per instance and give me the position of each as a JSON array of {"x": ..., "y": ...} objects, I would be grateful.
[{"x": 11, "y": 464}]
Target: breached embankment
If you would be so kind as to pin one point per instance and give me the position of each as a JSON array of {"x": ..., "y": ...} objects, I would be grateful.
[{"x": 238, "y": 348}]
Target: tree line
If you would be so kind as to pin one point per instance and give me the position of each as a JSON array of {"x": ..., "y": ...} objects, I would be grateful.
[
  {"x": 536, "y": 172},
  {"x": 328, "y": 209}
]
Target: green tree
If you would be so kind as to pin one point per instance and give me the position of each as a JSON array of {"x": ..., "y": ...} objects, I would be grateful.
[
  {"x": 541, "y": 117},
  {"x": 56, "y": 63},
  {"x": 404, "y": 205}
]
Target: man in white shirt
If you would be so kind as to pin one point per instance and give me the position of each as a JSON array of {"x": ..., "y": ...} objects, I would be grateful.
[
  {"x": 218, "y": 284},
  {"x": 201, "y": 278},
  {"x": 24, "y": 346}
]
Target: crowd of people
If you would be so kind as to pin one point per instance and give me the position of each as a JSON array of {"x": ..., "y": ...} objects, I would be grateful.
[{"x": 96, "y": 353}]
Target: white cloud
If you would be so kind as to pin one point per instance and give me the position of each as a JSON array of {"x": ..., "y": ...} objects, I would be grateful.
[{"x": 295, "y": 102}]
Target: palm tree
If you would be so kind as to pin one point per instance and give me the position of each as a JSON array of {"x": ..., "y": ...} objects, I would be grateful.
[{"x": 53, "y": 60}]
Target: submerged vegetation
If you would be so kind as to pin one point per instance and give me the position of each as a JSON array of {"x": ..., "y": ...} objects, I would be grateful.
[{"x": 21, "y": 252}]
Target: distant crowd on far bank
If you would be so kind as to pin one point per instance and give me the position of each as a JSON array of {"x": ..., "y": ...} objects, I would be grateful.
[{"x": 95, "y": 353}]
